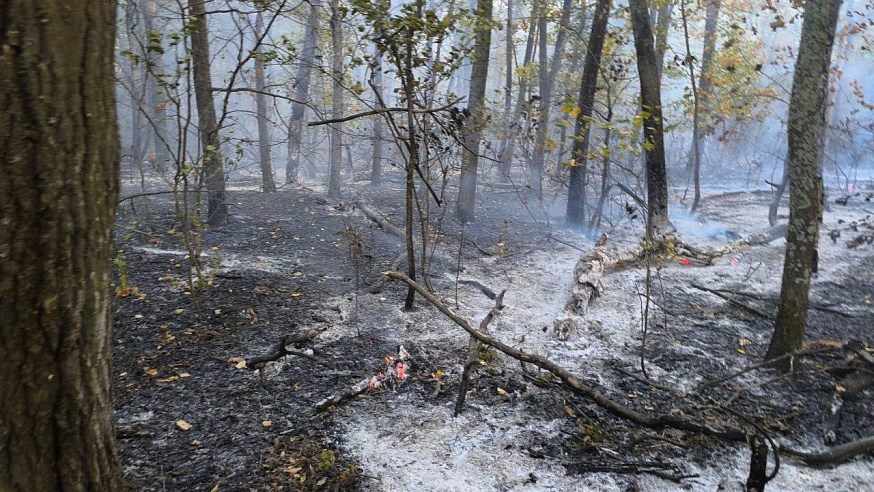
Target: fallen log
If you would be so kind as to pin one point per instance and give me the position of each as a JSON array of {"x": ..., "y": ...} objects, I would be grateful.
[
  {"x": 587, "y": 280},
  {"x": 379, "y": 219}
]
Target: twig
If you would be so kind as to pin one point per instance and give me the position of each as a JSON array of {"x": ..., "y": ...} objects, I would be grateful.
[
  {"x": 281, "y": 349},
  {"x": 473, "y": 352},
  {"x": 732, "y": 300},
  {"x": 835, "y": 455}
]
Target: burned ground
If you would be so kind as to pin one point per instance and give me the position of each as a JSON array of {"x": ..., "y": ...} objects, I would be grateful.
[{"x": 292, "y": 261}]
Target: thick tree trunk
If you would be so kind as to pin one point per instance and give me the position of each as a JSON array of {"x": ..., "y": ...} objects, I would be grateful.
[
  {"x": 301, "y": 91},
  {"x": 157, "y": 99},
  {"x": 268, "y": 185},
  {"x": 653, "y": 133},
  {"x": 476, "y": 99},
  {"x": 575, "y": 214},
  {"x": 806, "y": 116},
  {"x": 337, "y": 103},
  {"x": 663, "y": 26},
  {"x": 207, "y": 126},
  {"x": 59, "y": 155}
]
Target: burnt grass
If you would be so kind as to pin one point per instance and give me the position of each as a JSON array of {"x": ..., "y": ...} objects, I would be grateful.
[{"x": 189, "y": 419}]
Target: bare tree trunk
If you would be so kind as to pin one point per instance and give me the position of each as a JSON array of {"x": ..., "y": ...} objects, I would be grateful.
[
  {"x": 653, "y": 133},
  {"x": 301, "y": 92},
  {"x": 157, "y": 99},
  {"x": 337, "y": 103},
  {"x": 378, "y": 124},
  {"x": 548, "y": 73},
  {"x": 702, "y": 95},
  {"x": 663, "y": 25},
  {"x": 575, "y": 214},
  {"x": 207, "y": 126},
  {"x": 268, "y": 185},
  {"x": 806, "y": 116},
  {"x": 59, "y": 154},
  {"x": 508, "y": 145},
  {"x": 476, "y": 99}
]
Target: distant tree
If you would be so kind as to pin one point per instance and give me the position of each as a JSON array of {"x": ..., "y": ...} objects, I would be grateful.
[
  {"x": 301, "y": 92},
  {"x": 336, "y": 162},
  {"x": 651, "y": 116},
  {"x": 207, "y": 125},
  {"x": 268, "y": 185},
  {"x": 476, "y": 104},
  {"x": 806, "y": 117},
  {"x": 575, "y": 215},
  {"x": 59, "y": 154}
]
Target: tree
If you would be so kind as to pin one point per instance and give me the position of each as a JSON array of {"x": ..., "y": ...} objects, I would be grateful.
[
  {"x": 576, "y": 204},
  {"x": 337, "y": 103},
  {"x": 806, "y": 117},
  {"x": 59, "y": 154},
  {"x": 651, "y": 116},
  {"x": 267, "y": 182},
  {"x": 207, "y": 125},
  {"x": 476, "y": 102},
  {"x": 702, "y": 93},
  {"x": 301, "y": 91}
]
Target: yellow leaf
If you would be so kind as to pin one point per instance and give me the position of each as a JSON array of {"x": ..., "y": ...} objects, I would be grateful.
[
  {"x": 215, "y": 248},
  {"x": 151, "y": 372},
  {"x": 239, "y": 362},
  {"x": 502, "y": 391},
  {"x": 198, "y": 443},
  {"x": 741, "y": 351},
  {"x": 180, "y": 311},
  {"x": 298, "y": 274},
  {"x": 183, "y": 425},
  {"x": 138, "y": 316},
  {"x": 185, "y": 375},
  {"x": 214, "y": 489},
  {"x": 440, "y": 373},
  {"x": 743, "y": 342},
  {"x": 241, "y": 365},
  {"x": 267, "y": 423},
  {"x": 296, "y": 294},
  {"x": 168, "y": 380},
  {"x": 574, "y": 112}
]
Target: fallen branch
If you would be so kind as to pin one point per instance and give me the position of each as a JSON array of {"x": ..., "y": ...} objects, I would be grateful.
[
  {"x": 345, "y": 395},
  {"x": 473, "y": 353},
  {"x": 732, "y": 300},
  {"x": 576, "y": 386},
  {"x": 281, "y": 349},
  {"x": 835, "y": 455},
  {"x": 379, "y": 219}
]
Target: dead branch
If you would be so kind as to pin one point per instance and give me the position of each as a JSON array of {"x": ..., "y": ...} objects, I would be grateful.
[
  {"x": 345, "y": 395},
  {"x": 281, "y": 349},
  {"x": 377, "y": 286},
  {"x": 767, "y": 363},
  {"x": 375, "y": 112},
  {"x": 473, "y": 352},
  {"x": 847, "y": 389},
  {"x": 379, "y": 219},
  {"x": 733, "y": 300},
  {"x": 729, "y": 433},
  {"x": 835, "y": 455}
]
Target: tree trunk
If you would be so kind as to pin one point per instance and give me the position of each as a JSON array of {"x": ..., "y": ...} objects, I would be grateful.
[
  {"x": 378, "y": 123},
  {"x": 157, "y": 99},
  {"x": 476, "y": 100},
  {"x": 337, "y": 103},
  {"x": 301, "y": 91},
  {"x": 575, "y": 214},
  {"x": 548, "y": 73},
  {"x": 508, "y": 145},
  {"x": 59, "y": 154},
  {"x": 207, "y": 126},
  {"x": 268, "y": 185},
  {"x": 806, "y": 116},
  {"x": 663, "y": 26},
  {"x": 653, "y": 133},
  {"x": 702, "y": 95}
]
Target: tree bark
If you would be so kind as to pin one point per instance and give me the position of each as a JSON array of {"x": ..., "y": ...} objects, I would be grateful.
[
  {"x": 476, "y": 100},
  {"x": 575, "y": 214},
  {"x": 378, "y": 123},
  {"x": 806, "y": 116},
  {"x": 157, "y": 99},
  {"x": 337, "y": 102},
  {"x": 207, "y": 126},
  {"x": 653, "y": 133},
  {"x": 301, "y": 92},
  {"x": 268, "y": 185},
  {"x": 59, "y": 154},
  {"x": 663, "y": 25},
  {"x": 702, "y": 94}
]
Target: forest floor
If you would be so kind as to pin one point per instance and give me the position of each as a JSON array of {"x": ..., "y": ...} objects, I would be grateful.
[{"x": 190, "y": 417}]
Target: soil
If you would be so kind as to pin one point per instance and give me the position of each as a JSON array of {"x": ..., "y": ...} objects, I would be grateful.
[{"x": 191, "y": 418}]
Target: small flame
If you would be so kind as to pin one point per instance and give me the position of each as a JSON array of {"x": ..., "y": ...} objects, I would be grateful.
[{"x": 685, "y": 261}]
